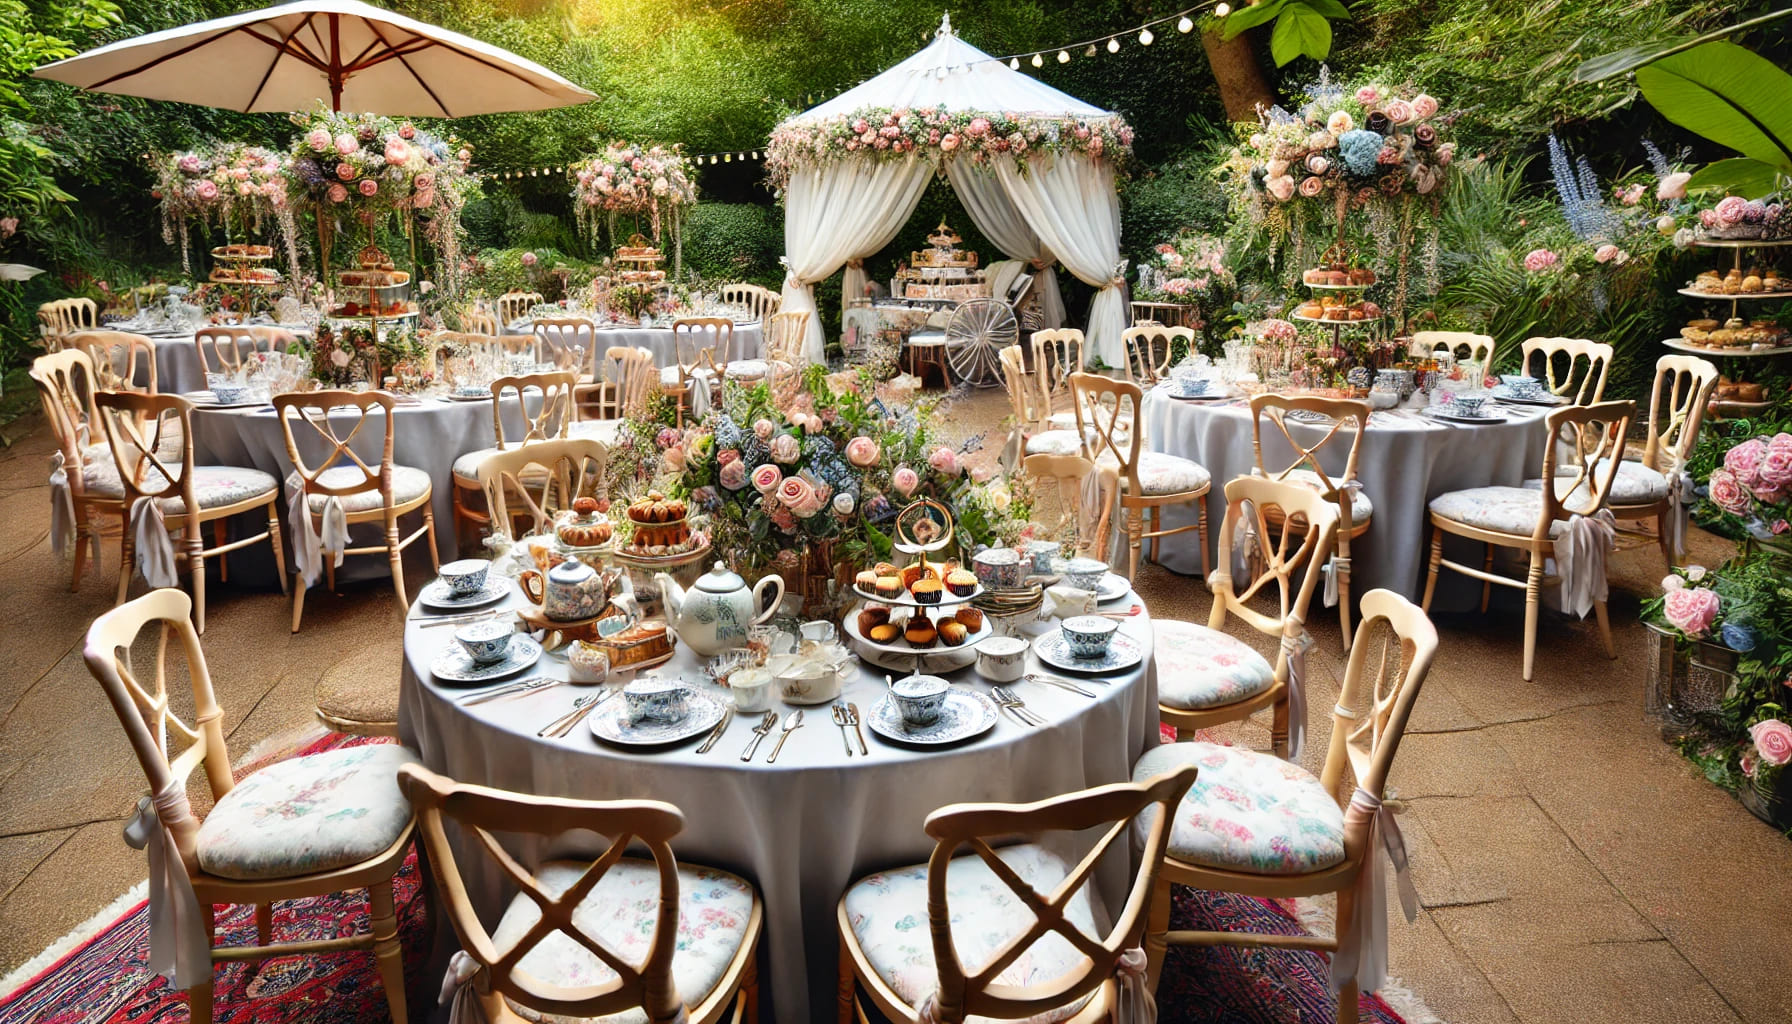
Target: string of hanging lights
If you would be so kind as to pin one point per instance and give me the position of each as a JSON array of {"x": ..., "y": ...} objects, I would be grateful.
[{"x": 548, "y": 171}]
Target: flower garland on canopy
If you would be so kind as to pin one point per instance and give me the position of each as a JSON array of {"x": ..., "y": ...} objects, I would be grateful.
[
  {"x": 241, "y": 186},
  {"x": 889, "y": 133},
  {"x": 373, "y": 167},
  {"x": 1296, "y": 178},
  {"x": 630, "y": 179}
]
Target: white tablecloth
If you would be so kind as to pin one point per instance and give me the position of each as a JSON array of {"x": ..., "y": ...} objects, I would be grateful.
[
  {"x": 177, "y": 362},
  {"x": 1405, "y": 461},
  {"x": 802, "y": 829},
  {"x": 748, "y": 343}
]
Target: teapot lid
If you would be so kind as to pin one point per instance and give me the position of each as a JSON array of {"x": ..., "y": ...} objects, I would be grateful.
[
  {"x": 571, "y": 570},
  {"x": 720, "y": 580}
]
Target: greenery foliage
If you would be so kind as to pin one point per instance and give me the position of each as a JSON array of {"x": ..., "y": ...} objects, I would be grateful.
[{"x": 734, "y": 242}]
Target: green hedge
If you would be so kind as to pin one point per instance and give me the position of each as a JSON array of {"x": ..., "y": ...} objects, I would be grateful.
[{"x": 726, "y": 242}]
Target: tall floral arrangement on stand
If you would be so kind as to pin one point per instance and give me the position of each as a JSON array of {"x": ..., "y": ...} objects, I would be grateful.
[
  {"x": 238, "y": 187},
  {"x": 633, "y": 180}
]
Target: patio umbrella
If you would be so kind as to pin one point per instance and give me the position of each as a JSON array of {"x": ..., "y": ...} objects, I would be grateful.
[{"x": 293, "y": 56}]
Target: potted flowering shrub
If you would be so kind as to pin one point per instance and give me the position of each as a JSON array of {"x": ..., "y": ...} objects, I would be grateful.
[{"x": 1750, "y": 494}]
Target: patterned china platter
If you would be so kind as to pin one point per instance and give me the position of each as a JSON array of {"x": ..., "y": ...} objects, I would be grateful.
[
  {"x": 1123, "y": 653},
  {"x": 436, "y": 594},
  {"x": 610, "y": 722},
  {"x": 204, "y": 400},
  {"x": 1504, "y": 394},
  {"x": 965, "y": 714},
  {"x": 1214, "y": 395},
  {"x": 455, "y": 665},
  {"x": 453, "y": 397},
  {"x": 1489, "y": 414},
  {"x": 1113, "y": 587}
]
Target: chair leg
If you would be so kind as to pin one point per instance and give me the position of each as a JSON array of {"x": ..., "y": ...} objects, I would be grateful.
[
  {"x": 749, "y": 988},
  {"x": 1278, "y": 727},
  {"x": 395, "y": 556},
  {"x": 1135, "y": 529},
  {"x": 1347, "y": 993},
  {"x": 384, "y": 920},
  {"x": 1605, "y": 628},
  {"x": 220, "y": 537},
  {"x": 1533, "y": 598},
  {"x": 1437, "y": 559},
  {"x": 83, "y": 536},
  {"x": 1665, "y": 538},
  {"x": 196, "y": 563},
  {"x": 298, "y": 601},
  {"x": 429, "y": 537},
  {"x": 127, "y": 563},
  {"x": 199, "y": 997},
  {"x": 1486, "y": 585},
  {"x": 279, "y": 545},
  {"x": 264, "y": 924},
  {"x": 330, "y": 572},
  {"x": 1343, "y": 571},
  {"x": 1157, "y": 930},
  {"x": 1201, "y": 533},
  {"x": 1157, "y": 524},
  {"x": 848, "y": 987}
]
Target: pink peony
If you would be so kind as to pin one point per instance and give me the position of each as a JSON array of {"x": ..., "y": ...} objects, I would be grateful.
[
  {"x": 345, "y": 171},
  {"x": 206, "y": 190},
  {"x": 727, "y": 455},
  {"x": 1423, "y": 106},
  {"x": 1340, "y": 123},
  {"x": 396, "y": 151},
  {"x": 863, "y": 452},
  {"x": 674, "y": 459},
  {"x": 1773, "y": 738},
  {"x": 1691, "y": 610},
  {"x": 978, "y": 126},
  {"x": 318, "y": 139},
  {"x": 1609, "y": 253},
  {"x": 346, "y": 144},
  {"x": 530, "y": 259},
  {"x": 1282, "y": 188},
  {"x": 1539, "y": 260},
  {"x": 800, "y": 497},
  {"x": 337, "y": 193},
  {"x": 1632, "y": 194},
  {"x": 1399, "y": 111},
  {"x": 944, "y": 460},
  {"x": 368, "y": 187},
  {"x": 1744, "y": 460},
  {"x": 764, "y": 429},
  {"x": 786, "y": 448},
  {"x": 904, "y": 480},
  {"x": 1311, "y": 187},
  {"x": 1727, "y": 493},
  {"x": 1730, "y": 209},
  {"x": 766, "y": 478},
  {"x": 733, "y": 475},
  {"x": 1367, "y": 95},
  {"x": 1776, "y": 464},
  {"x": 948, "y": 142}
]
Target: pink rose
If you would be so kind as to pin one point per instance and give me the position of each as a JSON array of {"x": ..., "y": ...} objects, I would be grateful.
[
  {"x": 1282, "y": 188},
  {"x": 529, "y": 259},
  {"x": 944, "y": 460},
  {"x": 862, "y": 452},
  {"x": 1780, "y": 526},
  {"x": 1691, "y": 610},
  {"x": 766, "y": 478},
  {"x": 318, "y": 139},
  {"x": 948, "y": 142},
  {"x": 345, "y": 171},
  {"x": 1631, "y": 194},
  {"x": 1311, "y": 187},
  {"x": 800, "y": 497},
  {"x": 397, "y": 152},
  {"x": 1673, "y": 186},
  {"x": 1776, "y": 464},
  {"x": 346, "y": 144},
  {"x": 764, "y": 429},
  {"x": 407, "y": 130},
  {"x": 904, "y": 480},
  {"x": 978, "y": 126},
  {"x": 1749, "y": 763},
  {"x": 1340, "y": 122},
  {"x": 1744, "y": 460},
  {"x": 1399, "y": 111},
  {"x": 368, "y": 187},
  {"x": 1446, "y": 153},
  {"x": 1730, "y": 209},
  {"x": 1317, "y": 164},
  {"x": 860, "y": 126},
  {"x": 727, "y": 455},
  {"x": 1275, "y": 168},
  {"x": 1671, "y": 582},
  {"x": 1423, "y": 106},
  {"x": 1773, "y": 738},
  {"x": 206, "y": 190},
  {"x": 1539, "y": 260},
  {"x": 1727, "y": 493},
  {"x": 337, "y": 193},
  {"x": 1367, "y": 95},
  {"x": 674, "y": 459},
  {"x": 1609, "y": 253},
  {"x": 786, "y": 448},
  {"x": 733, "y": 475}
]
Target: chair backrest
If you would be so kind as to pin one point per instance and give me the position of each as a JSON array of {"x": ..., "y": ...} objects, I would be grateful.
[
  {"x": 1479, "y": 347},
  {"x": 67, "y": 385},
  {"x": 512, "y": 305},
  {"x": 761, "y": 303},
  {"x": 479, "y": 812},
  {"x": 573, "y": 467},
  {"x": 1381, "y": 683},
  {"x": 143, "y": 707},
  {"x": 62, "y": 317},
  {"x": 784, "y": 333},
  {"x": 1057, "y": 354},
  {"x": 221, "y": 348},
  {"x": 1106, "y": 410},
  {"x": 1583, "y": 366},
  {"x": 119, "y": 358},
  {"x": 1683, "y": 386},
  {"x": 553, "y": 417},
  {"x": 569, "y": 342},
  {"x": 1293, "y": 525},
  {"x": 628, "y": 376},
  {"x": 705, "y": 341},
  {"x": 1091, "y": 510},
  {"x": 963, "y": 993},
  {"x": 1024, "y": 397},
  {"x": 139, "y": 430},
  {"x": 1148, "y": 349},
  {"x": 480, "y": 321},
  {"x": 1592, "y": 437},
  {"x": 1350, "y": 421},
  {"x": 313, "y": 409}
]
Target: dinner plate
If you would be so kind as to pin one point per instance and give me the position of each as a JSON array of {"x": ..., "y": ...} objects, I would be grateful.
[
  {"x": 1112, "y": 587},
  {"x": 452, "y": 397},
  {"x": 436, "y": 594},
  {"x": 1504, "y": 394},
  {"x": 1210, "y": 396},
  {"x": 455, "y": 665},
  {"x": 1489, "y": 414},
  {"x": 963, "y": 715},
  {"x": 204, "y": 400},
  {"x": 1123, "y": 652},
  {"x": 610, "y": 722}
]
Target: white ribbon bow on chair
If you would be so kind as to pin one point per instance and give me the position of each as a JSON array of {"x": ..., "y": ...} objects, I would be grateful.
[
  {"x": 1580, "y": 560},
  {"x": 457, "y": 985},
  {"x": 1135, "y": 1004},
  {"x": 1363, "y": 954},
  {"x": 62, "y": 506},
  {"x": 1295, "y": 647},
  {"x": 1682, "y": 493},
  {"x": 179, "y": 947},
  {"x": 1332, "y": 567},
  {"x": 155, "y": 550},
  {"x": 308, "y": 547}
]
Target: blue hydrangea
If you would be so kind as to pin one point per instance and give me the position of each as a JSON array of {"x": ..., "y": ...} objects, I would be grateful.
[
  {"x": 727, "y": 432},
  {"x": 1359, "y": 150},
  {"x": 1738, "y": 637},
  {"x": 817, "y": 447}
]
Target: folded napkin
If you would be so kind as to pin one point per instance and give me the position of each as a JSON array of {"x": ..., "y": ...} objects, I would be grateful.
[{"x": 1065, "y": 601}]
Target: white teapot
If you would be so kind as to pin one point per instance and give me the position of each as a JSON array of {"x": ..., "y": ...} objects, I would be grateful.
[{"x": 714, "y": 614}]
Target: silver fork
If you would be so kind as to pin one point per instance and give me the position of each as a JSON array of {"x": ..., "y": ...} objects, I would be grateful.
[
  {"x": 840, "y": 721},
  {"x": 760, "y": 731},
  {"x": 1015, "y": 706}
]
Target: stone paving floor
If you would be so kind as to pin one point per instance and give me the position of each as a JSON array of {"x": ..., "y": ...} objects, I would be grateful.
[{"x": 1572, "y": 867}]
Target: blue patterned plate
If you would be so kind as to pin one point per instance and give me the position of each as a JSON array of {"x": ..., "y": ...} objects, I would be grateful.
[
  {"x": 436, "y": 594},
  {"x": 964, "y": 714},
  {"x": 1123, "y": 653},
  {"x": 455, "y": 665},
  {"x": 610, "y": 723}
]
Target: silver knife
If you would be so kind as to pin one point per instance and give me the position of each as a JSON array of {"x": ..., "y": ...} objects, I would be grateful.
[
  {"x": 1062, "y": 684},
  {"x": 791, "y": 724},
  {"x": 853, "y": 710},
  {"x": 515, "y": 689},
  {"x": 716, "y": 733},
  {"x": 766, "y": 722}
]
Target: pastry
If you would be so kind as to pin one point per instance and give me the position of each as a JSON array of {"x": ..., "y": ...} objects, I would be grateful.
[
  {"x": 1309, "y": 310},
  {"x": 953, "y": 633},
  {"x": 866, "y": 581},
  {"x": 972, "y": 618},
  {"x": 889, "y": 586},
  {"x": 1751, "y": 284},
  {"x": 961, "y": 583},
  {"x": 927, "y": 591},
  {"x": 1370, "y": 310},
  {"x": 884, "y": 634},
  {"x": 920, "y": 632},
  {"x": 873, "y": 616},
  {"x": 886, "y": 569},
  {"x": 1337, "y": 277},
  {"x": 912, "y": 575},
  {"x": 1315, "y": 276}
]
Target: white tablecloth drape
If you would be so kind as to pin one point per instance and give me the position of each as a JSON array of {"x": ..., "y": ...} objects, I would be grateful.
[
  {"x": 1069, "y": 200},
  {"x": 840, "y": 211},
  {"x": 749, "y": 342},
  {"x": 985, "y": 198},
  {"x": 802, "y": 829}
]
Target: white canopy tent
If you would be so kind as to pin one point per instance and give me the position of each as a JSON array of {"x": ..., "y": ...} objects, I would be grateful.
[{"x": 1054, "y": 204}]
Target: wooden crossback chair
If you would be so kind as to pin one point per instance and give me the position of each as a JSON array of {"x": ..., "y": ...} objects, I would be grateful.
[
  {"x": 381, "y": 492},
  {"x": 1463, "y": 346},
  {"x": 1572, "y": 368},
  {"x": 565, "y": 923},
  {"x": 1059, "y": 966},
  {"x": 628, "y": 377},
  {"x": 569, "y": 342},
  {"x": 703, "y": 346},
  {"x": 59, "y": 318},
  {"x": 363, "y": 778},
  {"x": 120, "y": 359},
  {"x": 222, "y": 349},
  {"x": 1105, "y": 410},
  {"x": 552, "y": 419},
  {"x": 512, "y": 305},
  {"x": 1349, "y": 422},
  {"x": 525, "y": 487},
  {"x": 1149, "y": 347},
  {"x": 1091, "y": 510},
  {"x": 1057, "y": 354},
  {"x": 1683, "y": 386},
  {"x": 66, "y": 384},
  {"x": 759, "y": 302},
  {"x": 480, "y": 321}
]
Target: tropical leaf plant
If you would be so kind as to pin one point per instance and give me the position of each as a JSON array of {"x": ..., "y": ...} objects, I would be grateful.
[
  {"x": 1733, "y": 97},
  {"x": 1303, "y": 28}
]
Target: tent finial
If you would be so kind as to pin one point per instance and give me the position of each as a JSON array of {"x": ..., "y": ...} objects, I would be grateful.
[{"x": 945, "y": 25}]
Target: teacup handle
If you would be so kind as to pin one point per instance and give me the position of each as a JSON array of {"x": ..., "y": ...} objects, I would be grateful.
[
  {"x": 767, "y": 610},
  {"x": 533, "y": 586}
]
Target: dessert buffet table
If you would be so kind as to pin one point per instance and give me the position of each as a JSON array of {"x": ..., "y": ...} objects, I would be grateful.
[
  {"x": 1406, "y": 460},
  {"x": 801, "y": 829}
]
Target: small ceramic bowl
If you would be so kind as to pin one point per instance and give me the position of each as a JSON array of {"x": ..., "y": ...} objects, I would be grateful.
[
  {"x": 587, "y": 663},
  {"x": 1002, "y": 659},
  {"x": 918, "y": 698},
  {"x": 1192, "y": 386},
  {"x": 1089, "y": 635},
  {"x": 229, "y": 394},
  {"x": 656, "y": 699},
  {"x": 1468, "y": 405},
  {"x": 1041, "y": 552},
  {"x": 999, "y": 568},
  {"x": 471, "y": 391},
  {"x": 819, "y": 631},
  {"x": 1521, "y": 386},
  {"x": 466, "y": 576},
  {"x": 486, "y": 642},
  {"x": 1085, "y": 573},
  {"x": 753, "y": 689}
]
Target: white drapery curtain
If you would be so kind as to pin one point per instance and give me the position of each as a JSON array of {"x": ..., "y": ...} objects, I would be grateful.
[
  {"x": 1069, "y": 202},
  {"x": 985, "y": 198},
  {"x": 840, "y": 211}
]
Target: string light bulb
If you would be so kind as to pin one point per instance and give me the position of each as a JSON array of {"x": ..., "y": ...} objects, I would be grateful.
[
  {"x": 1038, "y": 61},
  {"x": 1145, "y": 37},
  {"x": 1063, "y": 56},
  {"x": 1222, "y": 10},
  {"x": 1090, "y": 52},
  {"x": 1184, "y": 24},
  {"x": 728, "y": 159},
  {"x": 1014, "y": 63},
  {"x": 1113, "y": 45}
]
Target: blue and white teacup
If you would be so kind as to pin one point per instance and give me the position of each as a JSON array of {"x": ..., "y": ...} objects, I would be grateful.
[
  {"x": 1089, "y": 636},
  {"x": 1466, "y": 404},
  {"x": 466, "y": 576},
  {"x": 1192, "y": 387},
  {"x": 656, "y": 699},
  {"x": 485, "y": 642},
  {"x": 1085, "y": 573},
  {"x": 919, "y": 698}
]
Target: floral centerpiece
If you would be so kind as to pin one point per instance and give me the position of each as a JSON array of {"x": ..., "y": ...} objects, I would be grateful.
[
  {"x": 630, "y": 179},
  {"x": 344, "y": 354},
  {"x": 239, "y": 187},
  {"x": 1188, "y": 270},
  {"x": 894, "y": 132},
  {"x": 1751, "y": 492}
]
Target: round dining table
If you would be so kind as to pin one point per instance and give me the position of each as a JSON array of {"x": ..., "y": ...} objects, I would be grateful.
[
  {"x": 801, "y": 829},
  {"x": 748, "y": 341},
  {"x": 1406, "y": 459}
]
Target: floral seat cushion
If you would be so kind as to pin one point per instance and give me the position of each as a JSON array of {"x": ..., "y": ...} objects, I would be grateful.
[
  {"x": 888, "y": 915},
  {"x": 408, "y": 484},
  {"x": 1054, "y": 442},
  {"x": 1635, "y": 484},
  {"x": 217, "y": 486},
  {"x": 754, "y": 369},
  {"x": 1361, "y": 508},
  {"x": 309, "y": 814},
  {"x": 99, "y": 478},
  {"x": 1247, "y": 811},
  {"x": 1505, "y": 509},
  {"x": 607, "y": 431},
  {"x": 1161, "y": 473},
  {"x": 714, "y": 908},
  {"x": 1201, "y": 668},
  {"x": 466, "y": 467}
]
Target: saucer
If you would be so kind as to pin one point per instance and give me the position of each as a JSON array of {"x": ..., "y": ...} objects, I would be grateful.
[
  {"x": 1504, "y": 394},
  {"x": 1112, "y": 587},
  {"x": 964, "y": 714},
  {"x": 452, "y": 397},
  {"x": 455, "y": 665},
  {"x": 1123, "y": 652},
  {"x": 1489, "y": 414},
  {"x": 610, "y": 722},
  {"x": 205, "y": 400},
  {"x": 436, "y": 594}
]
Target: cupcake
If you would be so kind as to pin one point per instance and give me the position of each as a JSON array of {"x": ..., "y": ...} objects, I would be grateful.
[
  {"x": 912, "y": 575},
  {"x": 873, "y": 616},
  {"x": 866, "y": 581},
  {"x": 886, "y": 569},
  {"x": 971, "y": 618},
  {"x": 961, "y": 583},
  {"x": 889, "y": 586},
  {"x": 928, "y": 591},
  {"x": 920, "y": 632},
  {"x": 884, "y": 634},
  {"x": 953, "y": 633}
]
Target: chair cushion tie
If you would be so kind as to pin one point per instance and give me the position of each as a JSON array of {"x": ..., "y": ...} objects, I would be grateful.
[
  {"x": 1363, "y": 953},
  {"x": 179, "y": 947}
]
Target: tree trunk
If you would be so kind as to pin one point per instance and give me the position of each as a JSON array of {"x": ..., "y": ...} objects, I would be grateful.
[{"x": 1242, "y": 86}]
